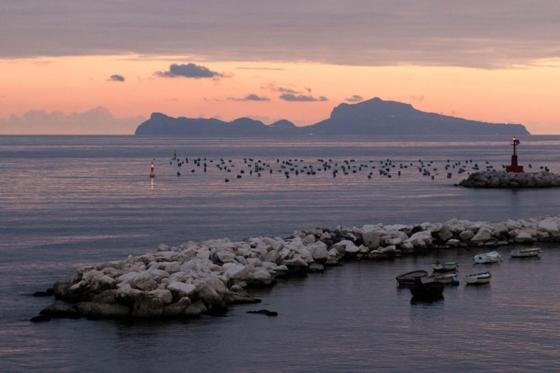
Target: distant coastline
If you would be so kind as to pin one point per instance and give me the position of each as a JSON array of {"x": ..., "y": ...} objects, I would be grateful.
[{"x": 371, "y": 118}]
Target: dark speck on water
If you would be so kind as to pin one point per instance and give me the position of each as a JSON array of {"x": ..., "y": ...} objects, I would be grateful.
[{"x": 72, "y": 201}]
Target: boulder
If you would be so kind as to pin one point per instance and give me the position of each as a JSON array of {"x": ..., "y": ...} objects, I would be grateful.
[
  {"x": 61, "y": 309},
  {"x": 181, "y": 289},
  {"x": 177, "y": 309},
  {"x": 466, "y": 235},
  {"x": 236, "y": 271},
  {"x": 371, "y": 235},
  {"x": 549, "y": 225},
  {"x": 524, "y": 236},
  {"x": 316, "y": 267},
  {"x": 346, "y": 246},
  {"x": 139, "y": 280},
  {"x": 319, "y": 251},
  {"x": 482, "y": 235},
  {"x": 309, "y": 239},
  {"x": 195, "y": 309},
  {"x": 212, "y": 292},
  {"x": 102, "y": 310},
  {"x": 421, "y": 239},
  {"x": 453, "y": 243},
  {"x": 164, "y": 295},
  {"x": 147, "y": 306},
  {"x": 296, "y": 262},
  {"x": 444, "y": 234},
  {"x": 225, "y": 256},
  {"x": 106, "y": 297},
  {"x": 260, "y": 276}
]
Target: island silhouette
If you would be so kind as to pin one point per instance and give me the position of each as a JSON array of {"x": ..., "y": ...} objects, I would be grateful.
[{"x": 374, "y": 117}]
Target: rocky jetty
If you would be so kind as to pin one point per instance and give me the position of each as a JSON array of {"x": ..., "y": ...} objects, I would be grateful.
[
  {"x": 207, "y": 277},
  {"x": 502, "y": 179}
]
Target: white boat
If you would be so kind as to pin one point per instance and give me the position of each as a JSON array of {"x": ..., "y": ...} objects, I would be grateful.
[
  {"x": 478, "y": 278},
  {"x": 529, "y": 252},
  {"x": 445, "y": 267},
  {"x": 487, "y": 258}
]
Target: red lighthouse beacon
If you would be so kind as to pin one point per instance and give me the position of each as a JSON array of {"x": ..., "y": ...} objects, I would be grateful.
[{"x": 514, "y": 166}]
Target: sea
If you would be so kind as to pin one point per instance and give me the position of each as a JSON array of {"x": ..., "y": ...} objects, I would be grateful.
[{"x": 69, "y": 201}]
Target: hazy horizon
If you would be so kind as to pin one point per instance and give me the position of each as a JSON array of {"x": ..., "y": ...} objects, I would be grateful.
[{"x": 62, "y": 60}]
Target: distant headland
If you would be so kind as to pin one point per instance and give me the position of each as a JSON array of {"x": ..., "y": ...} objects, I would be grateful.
[{"x": 374, "y": 117}]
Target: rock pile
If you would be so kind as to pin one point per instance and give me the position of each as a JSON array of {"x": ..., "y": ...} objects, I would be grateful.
[
  {"x": 502, "y": 179},
  {"x": 207, "y": 277}
]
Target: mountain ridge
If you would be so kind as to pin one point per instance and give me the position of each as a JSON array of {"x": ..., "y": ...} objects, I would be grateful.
[{"x": 374, "y": 117}]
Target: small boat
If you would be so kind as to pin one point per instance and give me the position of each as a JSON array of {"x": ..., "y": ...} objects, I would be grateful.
[
  {"x": 411, "y": 278},
  {"x": 488, "y": 258},
  {"x": 478, "y": 278},
  {"x": 445, "y": 278},
  {"x": 427, "y": 291},
  {"x": 529, "y": 252},
  {"x": 445, "y": 267}
]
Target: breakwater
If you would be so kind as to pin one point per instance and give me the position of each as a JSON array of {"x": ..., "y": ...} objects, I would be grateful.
[
  {"x": 207, "y": 277},
  {"x": 502, "y": 179}
]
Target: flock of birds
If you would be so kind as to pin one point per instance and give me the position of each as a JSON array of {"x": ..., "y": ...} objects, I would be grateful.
[{"x": 294, "y": 167}]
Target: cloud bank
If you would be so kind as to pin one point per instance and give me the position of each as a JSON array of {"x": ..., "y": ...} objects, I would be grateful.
[
  {"x": 476, "y": 33},
  {"x": 290, "y": 97},
  {"x": 250, "y": 97},
  {"x": 189, "y": 70},
  {"x": 116, "y": 78},
  {"x": 354, "y": 98},
  {"x": 97, "y": 121}
]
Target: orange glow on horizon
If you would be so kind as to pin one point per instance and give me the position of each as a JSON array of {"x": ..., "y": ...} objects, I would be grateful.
[{"x": 525, "y": 95}]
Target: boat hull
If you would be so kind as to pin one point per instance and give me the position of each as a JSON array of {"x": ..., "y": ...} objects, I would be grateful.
[
  {"x": 478, "y": 279},
  {"x": 445, "y": 267},
  {"x": 526, "y": 253},
  {"x": 487, "y": 258},
  {"x": 411, "y": 278},
  {"x": 427, "y": 292}
]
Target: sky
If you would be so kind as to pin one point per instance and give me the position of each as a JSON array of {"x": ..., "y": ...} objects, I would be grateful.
[{"x": 69, "y": 66}]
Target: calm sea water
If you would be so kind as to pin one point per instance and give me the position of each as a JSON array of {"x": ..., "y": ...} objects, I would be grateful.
[{"x": 68, "y": 201}]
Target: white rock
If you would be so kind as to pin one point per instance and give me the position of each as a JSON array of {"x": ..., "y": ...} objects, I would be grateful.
[
  {"x": 318, "y": 251},
  {"x": 453, "y": 242},
  {"x": 444, "y": 233},
  {"x": 466, "y": 235},
  {"x": 483, "y": 234},
  {"x": 139, "y": 280},
  {"x": 388, "y": 250},
  {"x": 421, "y": 239},
  {"x": 524, "y": 236},
  {"x": 309, "y": 239},
  {"x": 163, "y": 295},
  {"x": 296, "y": 262},
  {"x": 549, "y": 225},
  {"x": 371, "y": 235},
  {"x": 235, "y": 271},
  {"x": 181, "y": 289},
  {"x": 346, "y": 246},
  {"x": 261, "y": 275}
]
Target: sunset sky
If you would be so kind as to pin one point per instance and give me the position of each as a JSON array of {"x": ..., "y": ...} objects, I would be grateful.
[{"x": 71, "y": 66}]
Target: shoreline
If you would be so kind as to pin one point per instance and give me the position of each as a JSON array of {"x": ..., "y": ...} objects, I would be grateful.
[{"x": 207, "y": 277}]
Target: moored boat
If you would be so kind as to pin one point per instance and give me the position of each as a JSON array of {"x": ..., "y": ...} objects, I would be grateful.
[
  {"x": 478, "y": 278},
  {"x": 427, "y": 291},
  {"x": 411, "y": 278},
  {"x": 529, "y": 252},
  {"x": 488, "y": 258},
  {"x": 445, "y": 278},
  {"x": 445, "y": 267}
]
